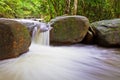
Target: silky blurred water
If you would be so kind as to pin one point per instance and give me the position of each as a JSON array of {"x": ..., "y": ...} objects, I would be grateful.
[{"x": 76, "y": 62}]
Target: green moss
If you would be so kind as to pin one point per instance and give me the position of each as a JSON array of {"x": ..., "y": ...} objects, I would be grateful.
[{"x": 66, "y": 29}]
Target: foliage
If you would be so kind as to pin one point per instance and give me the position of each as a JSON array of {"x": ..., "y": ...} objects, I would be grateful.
[
  {"x": 96, "y": 9},
  {"x": 47, "y": 9}
]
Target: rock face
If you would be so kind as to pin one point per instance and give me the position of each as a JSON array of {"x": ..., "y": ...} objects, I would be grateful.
[
  {"x": 107, "y": 32},
  {"x": 68, "y": 29},
  {"x": 14, "y": 39}
]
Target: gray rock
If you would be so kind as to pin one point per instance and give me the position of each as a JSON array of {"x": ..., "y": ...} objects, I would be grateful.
[
  {"x": 107, "y": 32},
  {"x": 68, "y": 29}
]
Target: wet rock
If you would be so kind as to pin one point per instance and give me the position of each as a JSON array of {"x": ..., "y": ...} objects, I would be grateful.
[
  {"x": 107, "y": 32},
  {"x": 68, "y": 29},
  {"x": 14, "y": 39}
]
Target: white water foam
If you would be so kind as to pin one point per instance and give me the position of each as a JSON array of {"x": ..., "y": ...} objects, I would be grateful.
[
  {"x": 62, "y": 63},
  {"x": 40, "y": 38}
]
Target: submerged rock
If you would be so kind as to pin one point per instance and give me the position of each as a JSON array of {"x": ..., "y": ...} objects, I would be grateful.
[
  {"x": 68, "y": 29},
  {"x": 14, "y": 39},
  {"x": 107, "y": 32}
]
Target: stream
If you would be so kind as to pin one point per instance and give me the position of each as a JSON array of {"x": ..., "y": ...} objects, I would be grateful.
[{"x": 75, "y": 62}]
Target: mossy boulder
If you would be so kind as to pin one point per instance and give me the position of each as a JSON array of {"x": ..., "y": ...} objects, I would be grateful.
[
  {"x": 14, "y": 39},
  {"x": 68, "y": 29},
  {"x": 107, "y": 32}
]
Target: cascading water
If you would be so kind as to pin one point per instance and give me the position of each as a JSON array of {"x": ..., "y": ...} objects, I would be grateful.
[
  {"x": 40, "y": 30},
  {"x": 76, "y": 62},
  {"x": 41, "y": 38}
]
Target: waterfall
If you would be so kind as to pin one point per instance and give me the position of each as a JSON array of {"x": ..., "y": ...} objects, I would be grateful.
[
  {"x": 40, "y": 30},
  {"x": 40, "y": 38}
]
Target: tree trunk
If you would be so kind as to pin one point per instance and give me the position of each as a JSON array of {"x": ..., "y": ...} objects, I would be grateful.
[
  {"x": 75, "y": 7},
  {"x": 67, "y": 8}
]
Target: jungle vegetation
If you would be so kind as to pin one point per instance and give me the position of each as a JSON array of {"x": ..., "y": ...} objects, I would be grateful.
[{"x": 95, "y": 10}]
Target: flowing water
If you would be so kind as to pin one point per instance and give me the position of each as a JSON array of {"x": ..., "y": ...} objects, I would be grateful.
[
  {"x": 40, "y": 38},
  {"x": 40, "y": 30},
  {"x": 75, "y": 62}
]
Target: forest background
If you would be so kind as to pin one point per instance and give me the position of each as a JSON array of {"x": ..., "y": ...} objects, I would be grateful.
[{"x": 94, "y": 10}]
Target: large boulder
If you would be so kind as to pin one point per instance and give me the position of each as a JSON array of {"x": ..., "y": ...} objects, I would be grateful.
[
  {"x": 68, "y": 29},
  {"x": 14, "y": 39},
  {"x": 107, "y": 32}
]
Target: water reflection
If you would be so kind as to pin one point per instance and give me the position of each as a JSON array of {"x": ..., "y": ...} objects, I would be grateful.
[{"x": 78, "y": 62}]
